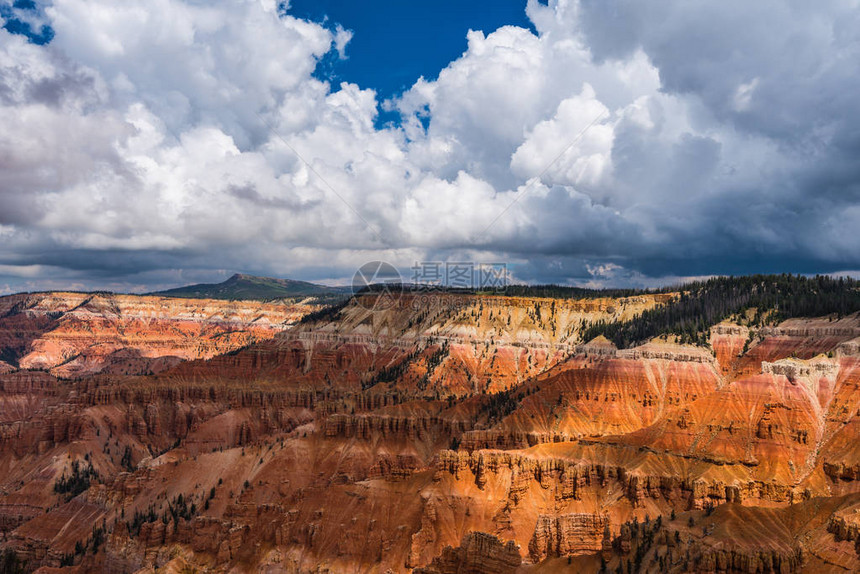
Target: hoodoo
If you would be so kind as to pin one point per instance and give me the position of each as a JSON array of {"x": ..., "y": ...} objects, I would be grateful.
[{"x": 482, "y": 433}]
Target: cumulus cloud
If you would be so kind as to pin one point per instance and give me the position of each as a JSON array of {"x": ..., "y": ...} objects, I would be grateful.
[{"x": 154, "y": 143}]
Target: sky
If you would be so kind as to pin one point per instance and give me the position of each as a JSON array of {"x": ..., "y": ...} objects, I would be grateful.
[
  {"x": 152, "y": 143},
  {"x": 393, "y": 43}
]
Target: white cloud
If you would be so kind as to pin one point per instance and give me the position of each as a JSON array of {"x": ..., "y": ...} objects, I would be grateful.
[
  {"x": 744, "y": 94},
  {"x": 341, "y": 39},
  {"x": 154, "y": 136},
  {"x": 573, "y": 148}
]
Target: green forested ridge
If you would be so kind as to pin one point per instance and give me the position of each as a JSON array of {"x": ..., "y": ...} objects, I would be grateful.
[
  {"x": 700, "y": 305},
  {"x": 564, "y": 292},
  {"x": 549, "y": 291},
  {"x": 706, "y": 303},
  {"x": 248, "y": 287}
]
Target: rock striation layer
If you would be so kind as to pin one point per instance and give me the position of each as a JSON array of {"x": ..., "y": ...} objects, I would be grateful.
[
  {"x": 470, "y": 434},
  {"x": 76, "y": 334}
]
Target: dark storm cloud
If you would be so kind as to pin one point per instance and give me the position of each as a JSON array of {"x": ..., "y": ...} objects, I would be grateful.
[
  {"x": 621, "y": 142},
  {"x": 780, "y": 79}
]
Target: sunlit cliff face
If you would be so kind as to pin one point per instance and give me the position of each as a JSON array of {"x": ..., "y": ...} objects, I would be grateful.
[
  {"x": 480, "y": 434},
  {"x": 77, "y": 334}
]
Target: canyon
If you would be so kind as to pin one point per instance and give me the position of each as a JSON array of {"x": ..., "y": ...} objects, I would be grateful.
[
  {"x": 78, "y": 334},
  {"x": 439, "y": 433}
]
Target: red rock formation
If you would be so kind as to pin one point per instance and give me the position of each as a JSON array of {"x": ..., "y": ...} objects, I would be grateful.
[
  {"x": 567, "y": 535},
  {"x": 74, "y": 334},
  {"x": 395, "y": 441},
  {"x": 478, "y": 553}
]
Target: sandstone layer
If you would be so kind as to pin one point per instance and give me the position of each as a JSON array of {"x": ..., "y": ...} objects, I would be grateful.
[
  {"x": 479, "y": 434},
  {"x": 77, "y": 334}
]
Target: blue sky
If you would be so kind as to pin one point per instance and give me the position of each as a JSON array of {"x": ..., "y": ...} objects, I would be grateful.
[
  {"x": 21, "y": 17},
  {"x": 395, "y": 42}
]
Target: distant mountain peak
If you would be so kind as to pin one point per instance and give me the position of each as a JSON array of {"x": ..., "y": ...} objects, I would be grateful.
[{"x": 242, "y": 286}]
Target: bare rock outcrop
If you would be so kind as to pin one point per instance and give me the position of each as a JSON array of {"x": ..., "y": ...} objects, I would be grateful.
[
  {"x": 567, "y": 535},
  {"x": 478, "y": 553},
  {"x": 76, "y": 334}
]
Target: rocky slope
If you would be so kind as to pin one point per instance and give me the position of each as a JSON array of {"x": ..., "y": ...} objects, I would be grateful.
[
  {"x": 76, "y": 334},
  {"x": 463, "y": 434}
]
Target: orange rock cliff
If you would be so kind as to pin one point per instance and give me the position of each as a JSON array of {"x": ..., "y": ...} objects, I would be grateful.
[{"x": 465, "y": 433}]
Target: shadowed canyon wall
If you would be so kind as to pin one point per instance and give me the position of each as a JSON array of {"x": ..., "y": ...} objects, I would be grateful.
[{"x": 468, "y": 434}]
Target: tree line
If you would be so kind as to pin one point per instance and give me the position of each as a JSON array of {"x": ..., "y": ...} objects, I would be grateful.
[{"x": 702, "y": 304}]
